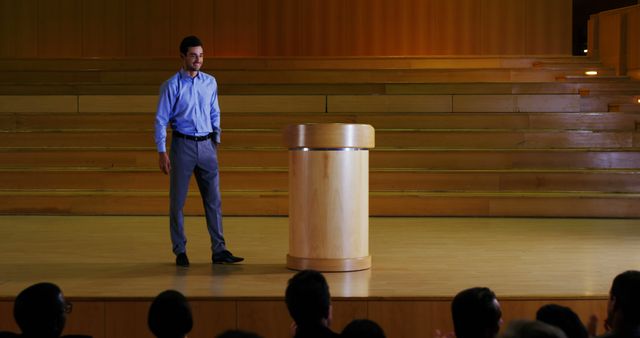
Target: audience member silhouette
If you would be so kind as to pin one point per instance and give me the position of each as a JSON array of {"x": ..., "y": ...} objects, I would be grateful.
[
  {"x": 238, "y": 334},
  {"x": 476, "y": 313},
  {"x": 362, "y": 328},
  {"x": 41, "y": 312},
  {"x": 309, "y": 304},
  {"x": 623, "y": 310},
  {"x": 532, "y": 329},
  {"x": 563, "y": 318},
  {"x": 170, "y": 315}
]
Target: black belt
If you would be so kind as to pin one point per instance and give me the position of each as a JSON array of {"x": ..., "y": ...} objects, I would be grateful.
[{"x": 193, "y": 138}]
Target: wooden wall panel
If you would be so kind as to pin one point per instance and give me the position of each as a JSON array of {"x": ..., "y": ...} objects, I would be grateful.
[
  {"x": 548, "y": 27},
  {"x": 194, "y": 17},
  {"x": 148, "y": 30},
  {"x": 212, "y": 317},
  {"x": 610, "y": 47},
  {"x": 279, "y": 28},
  {"x": 503, "y": 26},
  {"x": 18, "y": 28},
  {"x": 633, "y": 39},
  {"x": 7, "y": 323},
  {"x": 345, "y": 311},
  {"x": 86, "y": 318},
  {"x": 235, "y": 28},
  {"x": 154, "y": 28},
  {"x": 127, "y": 319},
  {"x": 60, "y": 28},
  {"x": 409, "y": 319},
  {"x": 103, "y": 28},
  {"x": 268, "y": 318}
]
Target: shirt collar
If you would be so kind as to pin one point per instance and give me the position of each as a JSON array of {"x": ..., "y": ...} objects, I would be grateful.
[{"x": 185, "y": 75}]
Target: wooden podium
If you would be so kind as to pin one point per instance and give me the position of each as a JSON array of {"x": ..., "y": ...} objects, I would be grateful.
[{"x": 329, "y": 196}]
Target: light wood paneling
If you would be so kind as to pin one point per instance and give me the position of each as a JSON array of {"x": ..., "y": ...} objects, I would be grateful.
[
  {"x": 41, "y": 103},
  {"x": 388, "y": 103},
  {"x": 633, "y": 40},
  {"x": 272, "y": 103},
  {"x": 118, "y": 104},
  {"x": 18, "y": 28},
  {"x": 103, "y": 29},
  {"x": 610, "y": 39},
  {"x": 279, "y": 27},
  {"x": 548, "y": 27},
  {"x": 148, "y": 28}
]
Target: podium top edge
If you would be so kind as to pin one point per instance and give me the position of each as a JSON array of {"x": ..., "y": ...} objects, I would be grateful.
[{"x": 329, "y": 135}]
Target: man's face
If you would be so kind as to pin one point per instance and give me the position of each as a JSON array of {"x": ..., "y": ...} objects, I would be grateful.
[{"x": 193, "y": 59}]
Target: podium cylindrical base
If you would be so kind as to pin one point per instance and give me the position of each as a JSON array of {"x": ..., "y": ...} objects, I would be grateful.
[{"x": 329, "y": 264}]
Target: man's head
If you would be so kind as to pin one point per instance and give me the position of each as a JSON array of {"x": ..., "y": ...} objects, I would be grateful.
[
  {"x": 308, "y": 299},
  {"x": 624, "y": 301},
  {"x": 40, "y": 311},
  {"x": 170, "y": 315},
  {"x": 191, "y": 53},
  {"x": 563, "y": 318},
  {"x": 476, "y": 313}
]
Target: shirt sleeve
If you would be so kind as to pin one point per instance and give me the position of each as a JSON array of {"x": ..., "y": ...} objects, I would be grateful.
[
  {"x": 163, "y": 114},
  {"x": 215, "y": 112}
]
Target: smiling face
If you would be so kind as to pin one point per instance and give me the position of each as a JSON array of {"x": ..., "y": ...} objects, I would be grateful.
[{"x": 193, "y": 59}]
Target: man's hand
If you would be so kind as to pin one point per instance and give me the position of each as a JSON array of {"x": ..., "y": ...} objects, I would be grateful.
[{"x": 164, "y": 163}]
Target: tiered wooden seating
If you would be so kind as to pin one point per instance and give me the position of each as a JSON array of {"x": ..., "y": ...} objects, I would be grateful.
[{"x": 472, "y": 144}]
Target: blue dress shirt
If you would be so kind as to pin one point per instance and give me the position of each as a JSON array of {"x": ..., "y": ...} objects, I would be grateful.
[{"x": 190, "y": 105}]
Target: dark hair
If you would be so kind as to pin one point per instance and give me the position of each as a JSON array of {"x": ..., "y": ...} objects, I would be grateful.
[
  {"x": 39, "y": 311},
  {"x": 563, "y": 318},
  {"x": 362, "y": 328},
  {"x": 307, "y": 297},
  {"x": 626, "y": 291},
  {"x": 189, "y": 41},
  {"x": 238, "y": 334},
  {"x": 170, "y": 315},
  {"x": 475, "y": 314},
  {"x": 532, "y": 329}
]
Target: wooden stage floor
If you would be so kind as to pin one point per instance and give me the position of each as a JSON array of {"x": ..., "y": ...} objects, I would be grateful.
[{"x": 123, "y": 257}]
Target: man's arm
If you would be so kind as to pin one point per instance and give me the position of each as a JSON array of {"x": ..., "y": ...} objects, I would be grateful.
[
  {"x": 165, "y": 104},
  {"x": 215, "y": 113}
]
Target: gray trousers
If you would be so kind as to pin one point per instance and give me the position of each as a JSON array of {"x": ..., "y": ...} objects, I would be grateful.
[{"x": 199, "y": 158}]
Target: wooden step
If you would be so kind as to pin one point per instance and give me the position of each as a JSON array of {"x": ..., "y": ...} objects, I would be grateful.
[
  {"x": 288, "y": 76},
  {"x": 91, "y": 202},
  {"x": 624, "y": 107},
  {"x": 460, "y": 159},
  {"x": 427, "y": 138},
  {"x": 610, "y": 121},
  {"x": 276, "y": 179}
]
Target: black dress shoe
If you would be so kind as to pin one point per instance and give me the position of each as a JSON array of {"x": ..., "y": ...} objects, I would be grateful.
[
  {"x": 225, "y": 257},
  {"x": 182, "y": 259}
]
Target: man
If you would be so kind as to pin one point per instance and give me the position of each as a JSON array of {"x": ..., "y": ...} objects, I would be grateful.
[
  {"x": 170, "y": 315},
  {"x": 189, "y": 102},
  {"x": 623, "y": 310},
  {"x": 476, "y": 313},
  {"x": 309, "y": 303}
]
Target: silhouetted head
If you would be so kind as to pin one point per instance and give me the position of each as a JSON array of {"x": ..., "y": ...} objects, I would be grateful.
[
  {"x": 308, "y": 299},
  {"x": 238, "y": 334},
  {"x": 476, "y": 313},
  {"x": 170, "y": 315},
  {"x": 532, "y": 329},
  {"x": 40, "y": 311},
  {"x": 362, "y": 328},
  {"x": 563, "y": 318},
  {"x": 624, "y": 302}
]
